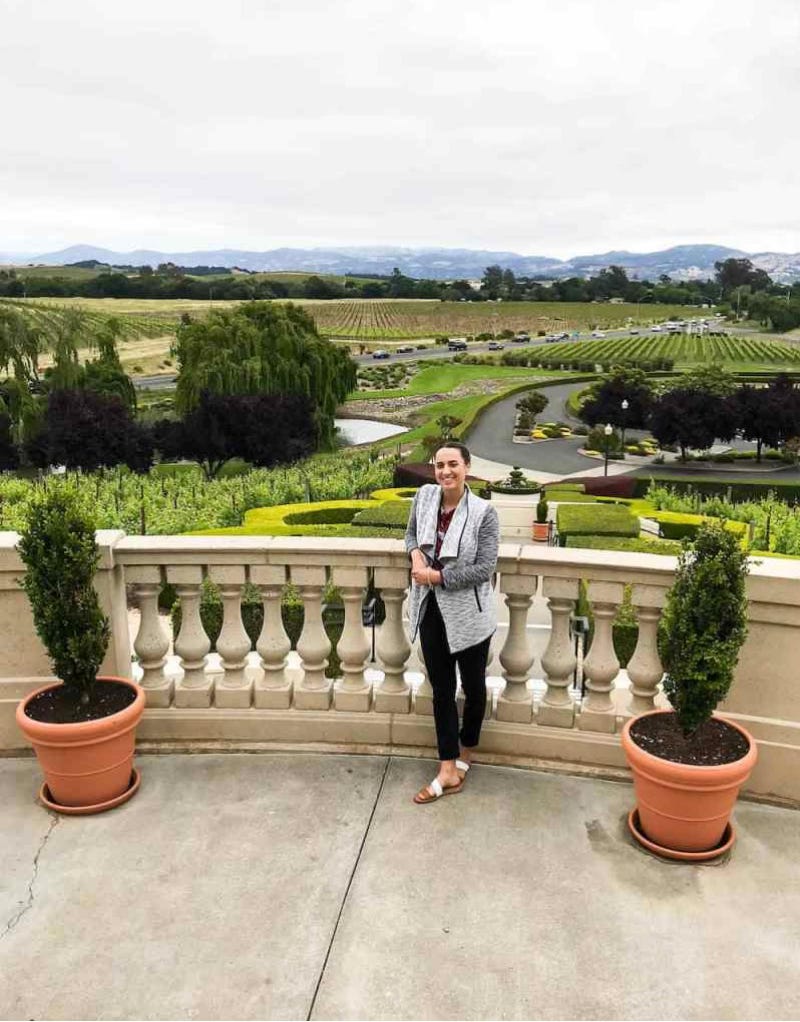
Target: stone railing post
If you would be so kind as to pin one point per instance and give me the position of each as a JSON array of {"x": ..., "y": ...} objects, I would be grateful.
[
  {"x": 393, "y": 695},
  {"x": 314, "y": 690},
  {"x": 353, "y": 692},
  {"x": 601, "y": 666},
  {"x": 233, "y": 689},
  {"x": 192, "y": 644},
  {"x": 152, "y": 642},
  {"x": 273, "y": 690},
  {"x": 515, "y": 702},
  {"x": 644, "y": 667},
  {"x": 109, "y": 581},
  {"x": 557, "y": 708}
]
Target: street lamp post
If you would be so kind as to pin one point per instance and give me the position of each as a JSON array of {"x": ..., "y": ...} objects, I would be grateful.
[
  {"x": 608, "y": 429},
  {"x": 624, "y": 407}
]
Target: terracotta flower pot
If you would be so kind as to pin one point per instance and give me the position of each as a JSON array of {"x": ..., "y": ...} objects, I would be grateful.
[
  {"x": 88, "y": 764},
  {"x": 681, "y": 807},
  {"x": 541, "y": 531}
]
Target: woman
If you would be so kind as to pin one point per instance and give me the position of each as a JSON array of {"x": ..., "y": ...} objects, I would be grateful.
[{"x": 452, "y": 539}]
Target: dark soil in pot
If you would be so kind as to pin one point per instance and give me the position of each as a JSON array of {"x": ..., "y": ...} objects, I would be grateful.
[
  {"x": 62, "y": 705},
  {"x": 713, "y": 743}
]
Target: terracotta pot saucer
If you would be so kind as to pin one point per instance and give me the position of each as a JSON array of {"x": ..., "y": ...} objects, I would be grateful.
[
  {"x": 100, "y": 807},
  {"x": 725, "y": 845}
]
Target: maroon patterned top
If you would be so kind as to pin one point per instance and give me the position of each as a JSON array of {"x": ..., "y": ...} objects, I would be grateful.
[{"x": 445, "y": 517}]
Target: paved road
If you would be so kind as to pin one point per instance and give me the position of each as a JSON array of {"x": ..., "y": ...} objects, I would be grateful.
[{"x": 490, "y": 438}]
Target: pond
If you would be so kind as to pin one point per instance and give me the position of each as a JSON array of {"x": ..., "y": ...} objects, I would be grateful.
[{"x": 366, "y": 431}]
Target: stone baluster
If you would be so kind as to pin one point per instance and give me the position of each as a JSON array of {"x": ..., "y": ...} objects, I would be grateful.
[
  {"x": 313, "y": 692},
  {"x": 557, "y": 708},
  {"x": 273, "y": 688},
  {"x": 353, "y": 692},
  {"x": 393, "y": 695},
  {"x": 152, "y": 641},
  {"x": 192, "y": 645},
  {"x": 233, "y": 689},
  {"x": 601, "y": 666},
  {"x": 515, "y": 702},
  {"x": 644, "y": 667}
]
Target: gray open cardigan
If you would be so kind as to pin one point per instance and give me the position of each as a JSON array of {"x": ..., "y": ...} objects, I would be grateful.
[{"x": 469, "y": 556}]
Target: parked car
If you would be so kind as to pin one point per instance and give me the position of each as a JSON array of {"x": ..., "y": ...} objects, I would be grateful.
[
  {"x": 495, "y": 346},
  {"x": 380, "y": 353}
]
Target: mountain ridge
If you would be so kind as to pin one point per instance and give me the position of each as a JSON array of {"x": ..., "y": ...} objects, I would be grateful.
[{"x": 681, "y": 262}]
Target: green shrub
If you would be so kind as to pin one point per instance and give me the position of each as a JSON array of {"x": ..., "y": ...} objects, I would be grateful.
[
  {"x": 595, "y": 520},
  {"x": 706, "y": 624},
  {"x": 58, "y": 549},
  {"x": 321, "y": 516},
  {"x": 392, "y": 514}
]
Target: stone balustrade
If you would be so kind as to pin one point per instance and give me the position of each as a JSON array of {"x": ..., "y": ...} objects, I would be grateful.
[{"x": 229, "y": 695}]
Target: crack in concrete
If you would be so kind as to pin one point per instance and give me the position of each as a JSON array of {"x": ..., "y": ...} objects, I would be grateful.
[{"x": 54, "y": 822}]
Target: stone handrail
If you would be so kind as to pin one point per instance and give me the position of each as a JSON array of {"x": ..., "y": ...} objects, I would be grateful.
[{"x": 236, "y": 702}]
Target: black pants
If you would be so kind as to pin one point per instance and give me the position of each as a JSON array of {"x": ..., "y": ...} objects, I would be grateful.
[{"x": 441, "y": 664}]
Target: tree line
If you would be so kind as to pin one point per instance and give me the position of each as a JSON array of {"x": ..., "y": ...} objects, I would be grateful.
[
  {"x": 256, "y": 383},
  {"x": 693, "y": 411},
  {"x": 737, "y": 286}
]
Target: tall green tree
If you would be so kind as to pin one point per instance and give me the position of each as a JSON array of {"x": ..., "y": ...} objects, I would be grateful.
[{"x": 260, "y": 348}]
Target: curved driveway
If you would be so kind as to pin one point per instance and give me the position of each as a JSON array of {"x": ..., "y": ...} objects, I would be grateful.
[{"x": 490, "y": 437}]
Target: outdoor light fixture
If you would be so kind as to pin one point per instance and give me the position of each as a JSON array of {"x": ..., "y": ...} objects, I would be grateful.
[{"x": 608, "y": 429}]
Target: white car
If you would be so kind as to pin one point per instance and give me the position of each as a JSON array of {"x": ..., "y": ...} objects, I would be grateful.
[
  {"x": 656, "y": 328},
  {"x": 597, "y": 333}
]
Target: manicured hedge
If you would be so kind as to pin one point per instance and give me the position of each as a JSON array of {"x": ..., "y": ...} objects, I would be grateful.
[
  {"x": 578, "y": 487},
  {"x": 636, "y": 546},
  {"x": 569, "y": 496},
  {"x": 321, "y": 516},
  {"x": 392, "y": 514},
  {"x": 609, "y": 486},
  {"x": 676, "y": 525},
  {"x": 595, "y": 520},
  {"x": 520, "y": 490}
]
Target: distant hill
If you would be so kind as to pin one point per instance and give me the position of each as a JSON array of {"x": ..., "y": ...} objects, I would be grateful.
[{"x": 680, "y": 262}]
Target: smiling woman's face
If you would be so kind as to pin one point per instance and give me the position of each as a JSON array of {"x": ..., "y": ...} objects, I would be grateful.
[{"x": 451, "y": 470}]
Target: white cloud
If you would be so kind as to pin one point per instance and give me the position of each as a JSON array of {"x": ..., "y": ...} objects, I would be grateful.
[{"x": 518, "y": 125}]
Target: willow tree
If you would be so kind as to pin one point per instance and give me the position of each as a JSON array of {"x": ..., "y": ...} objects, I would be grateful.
[{"x": 261, "y": 348}]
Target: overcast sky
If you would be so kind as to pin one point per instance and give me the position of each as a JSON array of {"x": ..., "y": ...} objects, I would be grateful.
[{"x": 545, "y": 127}]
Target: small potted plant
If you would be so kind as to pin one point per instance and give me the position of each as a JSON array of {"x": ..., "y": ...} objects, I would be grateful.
[
  {"x": 689, "y": 764},
  {"x": 541, "y": 527},
  {"x": 82, "y": 728}
]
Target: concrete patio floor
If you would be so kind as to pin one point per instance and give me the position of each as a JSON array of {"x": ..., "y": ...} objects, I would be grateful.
[{"x": 296, "y": 886}]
